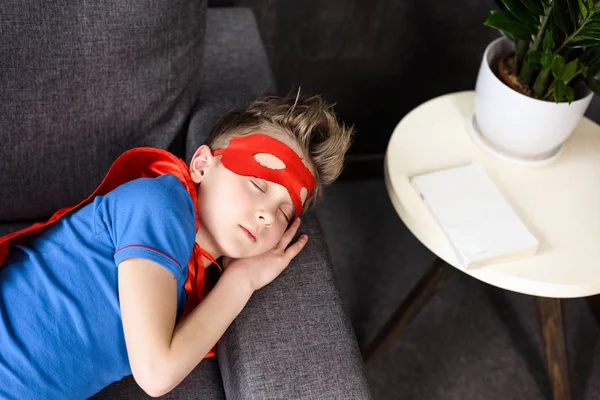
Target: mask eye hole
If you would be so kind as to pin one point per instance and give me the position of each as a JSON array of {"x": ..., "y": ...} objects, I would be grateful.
[{"x": 269, "y": 160}]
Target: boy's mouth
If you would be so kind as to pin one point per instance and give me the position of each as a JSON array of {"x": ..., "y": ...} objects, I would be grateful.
[{"x": 251, "y": 235}]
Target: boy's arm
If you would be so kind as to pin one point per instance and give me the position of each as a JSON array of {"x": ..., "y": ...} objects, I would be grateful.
[{"x": 161, "y": 354}]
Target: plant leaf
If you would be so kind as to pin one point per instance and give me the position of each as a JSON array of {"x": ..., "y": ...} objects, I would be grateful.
[
  {"x": 559, "y": 90},
  {"x": 573, "y": 11},
  {"x": 521, "y": 13},
  {"x": 593, "y": 83},
  {"x": 582, "y": 9},
  {"x": 594, "y": 68},
  {"x": 508, "y": 36},
  {"x": 570, "y": 71},
  {"x": 500, "y": 4},
  {"x": 584, "y": 41},
  {"x": 590, "y": 55},
  {"x": 546, "y": 59},
  {"x": 560, "y": 14},
  {"x": 588, "y": 33},
  {"x": 533, "y": 6},
  {"x": 548, "y": 42},
  {"x": 593, "y": 26},
  {"x": 558, "y": 35},
  {"x": 505, "y": 21},
  {"x": 558, "y": 66},
  {"x": 591, "y": 29},
  {"x": 570, "y": 94}
]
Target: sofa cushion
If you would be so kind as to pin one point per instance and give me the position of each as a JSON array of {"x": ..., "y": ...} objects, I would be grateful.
[
  {"x": 82, "y": 82},
  {"x": 10, "y": 227}
]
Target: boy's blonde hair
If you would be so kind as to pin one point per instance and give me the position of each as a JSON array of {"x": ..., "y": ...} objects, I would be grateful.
[{"x": 309, "y": 121}]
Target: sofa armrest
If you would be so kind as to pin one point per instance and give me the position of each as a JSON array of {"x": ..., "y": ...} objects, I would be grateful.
[{"x": 293, "y": 340}]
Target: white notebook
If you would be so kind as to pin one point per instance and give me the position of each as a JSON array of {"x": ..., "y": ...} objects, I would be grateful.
[{"x": 480, "y": 224}]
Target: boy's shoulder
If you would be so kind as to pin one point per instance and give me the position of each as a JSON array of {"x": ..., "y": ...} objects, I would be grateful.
[
  {"x": 167, "y": 184},
  {"x": 164, "y": 191},
  {"x": 143, "y": 204}
]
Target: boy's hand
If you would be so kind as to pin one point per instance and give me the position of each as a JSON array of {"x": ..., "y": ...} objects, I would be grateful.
[{"x": 263, "y": 269}]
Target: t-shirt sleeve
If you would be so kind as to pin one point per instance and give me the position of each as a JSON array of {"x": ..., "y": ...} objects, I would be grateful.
[{"x": 152, "y": 218}]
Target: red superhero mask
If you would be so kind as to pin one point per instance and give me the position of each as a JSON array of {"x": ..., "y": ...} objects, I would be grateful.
[{"x": 239, "y": 157}]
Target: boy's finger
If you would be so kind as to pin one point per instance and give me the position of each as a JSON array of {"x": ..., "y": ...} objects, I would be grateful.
[
  {"x": 289, "y": 234},
  {"x": 294, "y": 249}
]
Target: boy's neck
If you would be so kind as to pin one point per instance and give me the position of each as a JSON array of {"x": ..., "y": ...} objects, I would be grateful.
[{"x": 207, "y": 263}]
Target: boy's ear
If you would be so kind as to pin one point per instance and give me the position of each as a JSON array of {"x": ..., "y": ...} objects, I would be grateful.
[{"x": 200, "y": 164}]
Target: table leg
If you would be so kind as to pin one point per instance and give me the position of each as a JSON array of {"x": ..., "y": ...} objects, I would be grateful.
[
  {"x": 433, "y": 279},
  {"x": 553, "y": 331},
  {"x": 594, "y": 305}
]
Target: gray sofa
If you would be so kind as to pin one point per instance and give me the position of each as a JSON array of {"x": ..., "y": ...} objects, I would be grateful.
[{"x": 81, "y": 83}]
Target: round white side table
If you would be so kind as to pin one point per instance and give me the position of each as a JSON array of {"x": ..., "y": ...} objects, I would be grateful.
[{"x": 559, "y": 203}]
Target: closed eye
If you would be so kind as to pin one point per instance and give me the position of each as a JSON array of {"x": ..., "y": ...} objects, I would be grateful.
[
  {"x": 285, "y": 215},
  {"x": 257, "y": 186}
]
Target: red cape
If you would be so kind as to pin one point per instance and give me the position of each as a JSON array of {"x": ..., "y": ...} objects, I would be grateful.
[{"x": 137, "y": 163}]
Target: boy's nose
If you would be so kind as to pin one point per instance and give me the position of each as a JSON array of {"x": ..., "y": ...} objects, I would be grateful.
[{"x": 264, "y": 217}]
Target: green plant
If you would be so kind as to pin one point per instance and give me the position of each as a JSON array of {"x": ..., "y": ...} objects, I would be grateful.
[{"x": 557, "y": 43}]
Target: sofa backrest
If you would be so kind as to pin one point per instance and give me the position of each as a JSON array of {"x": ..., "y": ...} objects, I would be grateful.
[{"x": 82, "y": 82}]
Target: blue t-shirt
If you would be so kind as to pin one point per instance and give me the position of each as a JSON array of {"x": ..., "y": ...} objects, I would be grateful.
[{"x": 61, "y": 333}]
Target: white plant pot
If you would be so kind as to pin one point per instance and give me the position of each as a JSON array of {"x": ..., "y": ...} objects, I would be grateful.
[{"x": 518, "y": 127}]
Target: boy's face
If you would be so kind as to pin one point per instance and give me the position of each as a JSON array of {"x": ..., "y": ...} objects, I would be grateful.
[{"x": 240, "y": 216}]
